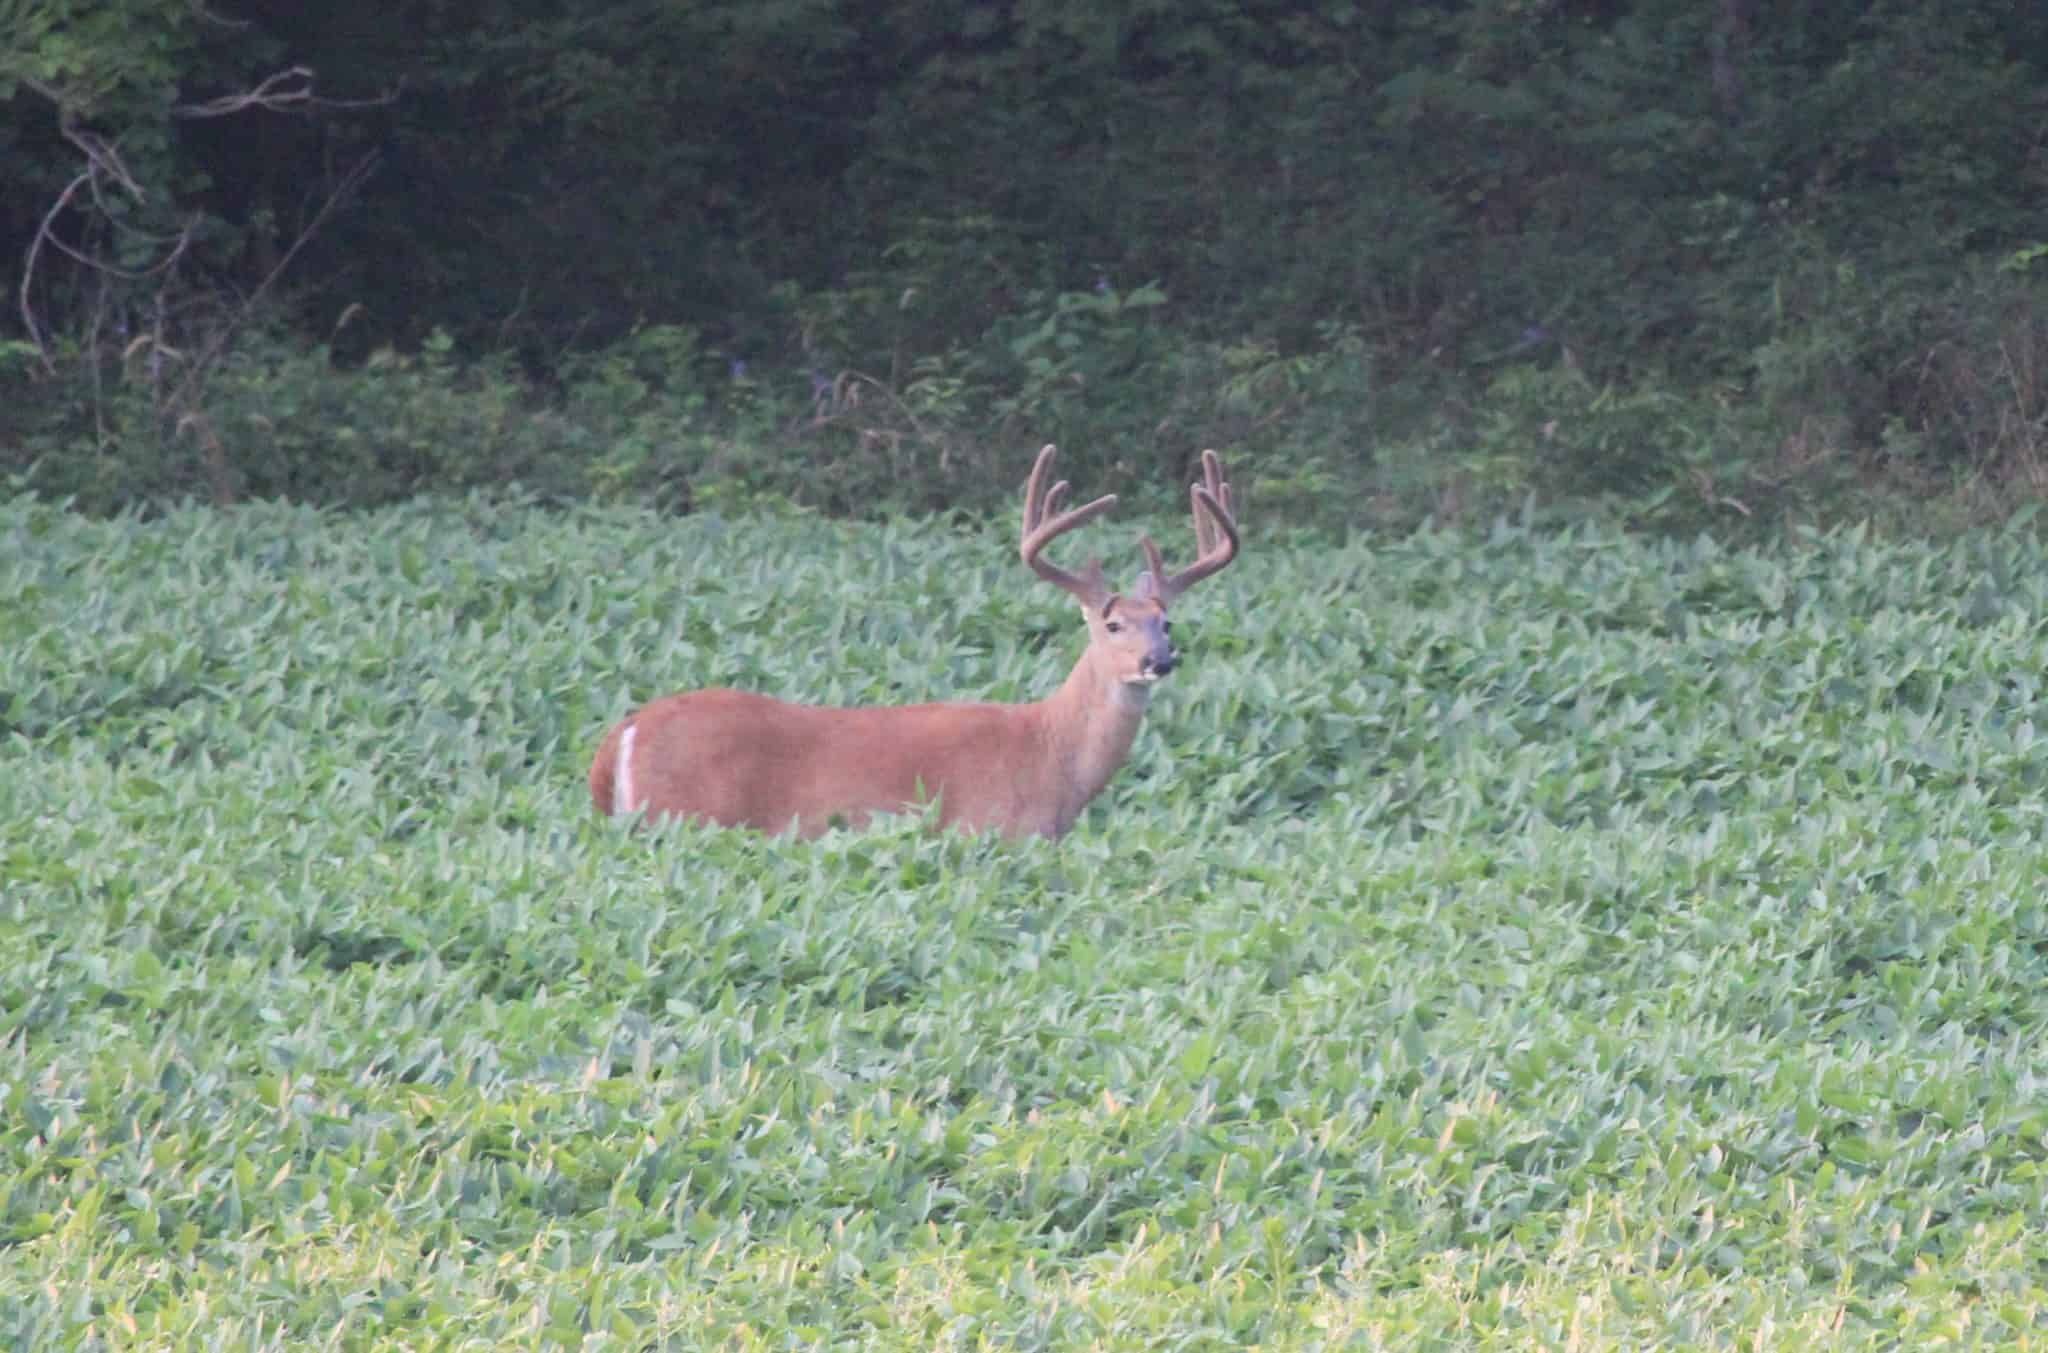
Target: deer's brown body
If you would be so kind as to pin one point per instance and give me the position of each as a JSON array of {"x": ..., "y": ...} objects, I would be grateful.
[{"x": 741, "y": 759}]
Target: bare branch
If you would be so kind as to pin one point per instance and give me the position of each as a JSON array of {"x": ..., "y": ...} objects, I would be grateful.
[
  {"x": 282, "y": 92},
  {"x": 101, "y": 155},
  {"x": 288, "y": 91},
  {"x": 105, "y": 180},
  {"x": 102, "y": 163},
  {"x": 28, "y": 270}
]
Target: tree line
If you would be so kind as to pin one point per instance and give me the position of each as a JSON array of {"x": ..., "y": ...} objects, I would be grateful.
[{"x": 835, "y": 240}]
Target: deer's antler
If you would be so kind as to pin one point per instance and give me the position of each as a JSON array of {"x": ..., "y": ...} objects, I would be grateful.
[
  {"x": 1041, "y": 525},
  {"x": 1215, "y": 511}
]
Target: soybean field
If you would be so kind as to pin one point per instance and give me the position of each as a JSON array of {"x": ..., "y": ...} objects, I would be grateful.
[{"x": 1500, "y": 938}]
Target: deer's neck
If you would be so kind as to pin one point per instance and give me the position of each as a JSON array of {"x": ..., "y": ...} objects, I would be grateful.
[{"x": 1089, "y": 724}]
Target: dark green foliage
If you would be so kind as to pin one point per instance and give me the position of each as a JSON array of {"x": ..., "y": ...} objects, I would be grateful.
[{"x": 1680, "y": 258}]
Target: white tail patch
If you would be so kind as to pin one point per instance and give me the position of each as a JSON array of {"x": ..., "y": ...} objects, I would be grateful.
[{"x": 623, "y": 798}]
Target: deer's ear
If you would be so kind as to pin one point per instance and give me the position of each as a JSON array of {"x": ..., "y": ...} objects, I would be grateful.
[{"x": 1146, "y": 588}]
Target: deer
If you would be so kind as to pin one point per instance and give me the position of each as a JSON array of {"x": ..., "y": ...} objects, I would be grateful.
[{"x": 739, "y": 759}]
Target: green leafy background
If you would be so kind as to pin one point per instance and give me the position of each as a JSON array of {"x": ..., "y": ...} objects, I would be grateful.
[{"x": 1678, "y": 263}]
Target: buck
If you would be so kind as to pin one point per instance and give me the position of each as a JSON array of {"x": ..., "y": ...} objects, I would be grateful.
[{"x": 739, "y": 759}]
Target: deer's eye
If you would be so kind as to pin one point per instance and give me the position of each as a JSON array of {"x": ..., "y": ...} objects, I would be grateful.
[{"x": 1113, "y": 626}]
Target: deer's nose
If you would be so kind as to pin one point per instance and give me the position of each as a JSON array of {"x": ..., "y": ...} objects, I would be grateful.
[{"x": 1162, "y": 663}]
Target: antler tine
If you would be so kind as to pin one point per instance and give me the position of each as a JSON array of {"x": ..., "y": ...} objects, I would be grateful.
[
  {"x": 1034, "y": 487},
  {"x": 1215, "y": 512},
  {"x": 1154, "y": 565},
  {"x": 1041, "y": 525},
  {"x": 1219, "y": 489}
]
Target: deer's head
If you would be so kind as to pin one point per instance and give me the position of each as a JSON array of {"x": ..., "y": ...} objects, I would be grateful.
[{"x": 1129, "y": 632}]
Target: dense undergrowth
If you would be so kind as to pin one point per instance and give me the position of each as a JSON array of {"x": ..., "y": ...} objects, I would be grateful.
[
  {"x": 1501, "y": 938},
  {"x": 1922, "y": 406}
]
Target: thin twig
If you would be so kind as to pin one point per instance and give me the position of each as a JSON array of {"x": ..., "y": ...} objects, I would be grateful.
[
  {"x": 28, "y": 271},
  {"x": 101, "y": 154},
  {"x": 196, "y": 372},
  {"x": 275, "y": 95}
]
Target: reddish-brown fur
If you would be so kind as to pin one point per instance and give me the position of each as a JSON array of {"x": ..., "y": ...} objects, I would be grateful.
[
  {"x": 746, "y": 760},
  {"x": 749, "y": 760}
]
